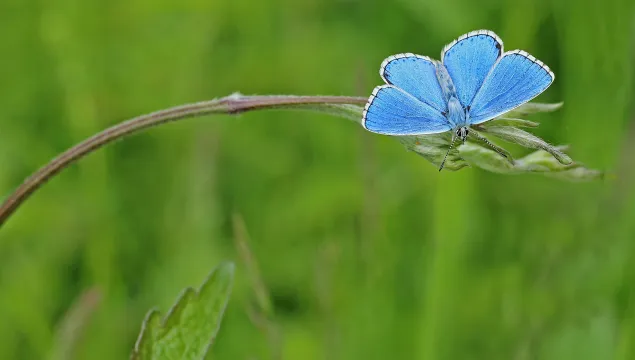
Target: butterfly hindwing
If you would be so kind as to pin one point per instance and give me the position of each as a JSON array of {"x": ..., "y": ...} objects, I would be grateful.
[
  {"x": 516, "y": 78},
  {"x": 416, "y": 75},
  {"x": 393, "y": 111},
  {"x": 469, "y": 59}
]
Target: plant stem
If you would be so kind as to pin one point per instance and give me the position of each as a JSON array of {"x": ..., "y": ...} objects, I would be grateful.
[{"x": 232, "y": 104}]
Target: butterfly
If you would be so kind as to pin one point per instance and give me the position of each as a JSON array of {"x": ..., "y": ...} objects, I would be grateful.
[{"x": 474, "y": 82}]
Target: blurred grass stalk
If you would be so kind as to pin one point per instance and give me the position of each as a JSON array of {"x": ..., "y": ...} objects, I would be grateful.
[
  {"x": 73, "y": 325},
  {"x": 262, "y": 314}
]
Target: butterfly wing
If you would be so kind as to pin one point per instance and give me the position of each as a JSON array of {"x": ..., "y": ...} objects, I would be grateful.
[
  {"x": 392, "y": 111},
  {"x": 416, "y": 75},
  {"x": 469, "y": 59},
  {"x": 516, "y": 78}
]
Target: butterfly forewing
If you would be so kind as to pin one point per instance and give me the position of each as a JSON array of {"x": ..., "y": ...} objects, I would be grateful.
[
  {"x": 516, "y": 78},
  {"x": 416, "y": 75},
  {"x": 469, "y": 59}
]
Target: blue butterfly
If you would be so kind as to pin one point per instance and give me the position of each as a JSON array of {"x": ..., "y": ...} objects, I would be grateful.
[{"x": 474, "y": 82}]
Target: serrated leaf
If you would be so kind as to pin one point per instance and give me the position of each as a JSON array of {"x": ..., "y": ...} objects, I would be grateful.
[
  {"x": 191, "y": 325},
  {"x": 521, "y": 137}
]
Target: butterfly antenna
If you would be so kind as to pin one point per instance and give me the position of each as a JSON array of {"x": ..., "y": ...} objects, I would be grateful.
[{"x": 446, "y": 154}]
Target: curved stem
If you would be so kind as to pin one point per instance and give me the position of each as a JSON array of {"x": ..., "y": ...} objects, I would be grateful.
[{"x": 232, "y": 104}]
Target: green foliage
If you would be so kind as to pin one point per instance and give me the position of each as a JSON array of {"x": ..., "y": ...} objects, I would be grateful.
[
  {"x": 526, "y": 139},
  {"x": 537, "y": 162},
  {"x": 368, "y": 252},
  {"x": 191, "y": 325}
]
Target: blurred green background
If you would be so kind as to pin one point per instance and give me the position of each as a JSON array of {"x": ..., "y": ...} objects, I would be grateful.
[{"x": 368, "y": 251}]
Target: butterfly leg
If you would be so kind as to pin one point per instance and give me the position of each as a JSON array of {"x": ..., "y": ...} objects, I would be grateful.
[
  {"x": 449, "y": 149},
  {"x": 502, "y": 152}
]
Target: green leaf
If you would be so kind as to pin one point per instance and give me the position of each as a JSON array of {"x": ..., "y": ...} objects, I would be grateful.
[
  {"x": 521, "y": 137},
  {"x": 508, "y": 121},
  {"x": 542, "y": 161},
  {"x": 537, "y": 162},
  {"x": 578, "y": 174},
  {"x": 191, "y": 325},
  {"x": 532, "y": 108},
  {"x": 485, "y": 158}
]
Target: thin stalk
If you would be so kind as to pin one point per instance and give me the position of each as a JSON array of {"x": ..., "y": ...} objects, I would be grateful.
[{"x": 232, "y": 104}]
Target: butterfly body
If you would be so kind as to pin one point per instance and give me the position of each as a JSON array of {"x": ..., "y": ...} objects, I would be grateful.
[
  {"x": 474, "y": 82},
  {"x": 456, "y": 115}
]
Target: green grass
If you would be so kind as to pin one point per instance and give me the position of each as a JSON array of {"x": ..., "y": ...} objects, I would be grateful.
[{"x": 367, "y": 251}]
